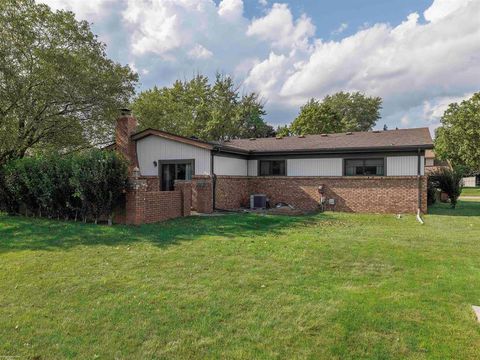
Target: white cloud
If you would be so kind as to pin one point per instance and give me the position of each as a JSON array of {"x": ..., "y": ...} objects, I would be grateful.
[
  {"x": 83, "y": 9},
  {"x": 174, "y": 28},
  {"x": 442, "y": 8},
  {"x": 340, "y": 29},
  {"x": 406, "y": 64},
  {"x": 434, "y": 109},
  {"x": 231, "y": 10},
  {"x": 200, "y": 52},
  {"x": 263, "y": 2},
  {"x": 264, "y": 76},
  {"x": 405, "y": 120},
  {"x": 278, "y": 28}
]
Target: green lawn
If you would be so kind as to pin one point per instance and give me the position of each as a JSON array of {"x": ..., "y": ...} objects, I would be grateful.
[
  {"x": 243, "y": 286},
  {"x": 471, "y": 191}
]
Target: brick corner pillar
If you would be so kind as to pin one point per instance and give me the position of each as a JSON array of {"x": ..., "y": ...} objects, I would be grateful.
[
  {"x": 125, "y": 128},
  {"x": 424, "y": 193},
  {"x": 135, "y": 202},
  {"x": 185, "y": 187},
  {"x": 202, "y": 193}
]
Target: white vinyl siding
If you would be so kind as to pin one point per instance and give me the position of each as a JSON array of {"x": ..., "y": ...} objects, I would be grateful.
[
  {"x": 252, "y": 167},
  {"x": 404, "y": 165},
  {"x": 154, "y": 148},
  {"x": 224, "y": 165},
  {"x": 315, "y": 167}
]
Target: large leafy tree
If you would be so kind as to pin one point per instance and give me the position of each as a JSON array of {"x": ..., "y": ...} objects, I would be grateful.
[
  {"x": 198, "y": 108},
  {"x": 458, "y": 139},
  {"x": 316, "y": 118},
  {"x": 340, "y": 112},
  {"x": 58, "y": 89}
]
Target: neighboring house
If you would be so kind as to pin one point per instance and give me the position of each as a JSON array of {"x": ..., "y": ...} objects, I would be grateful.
[
  {"x": 471, "y": 181},
  {"x": 433, "y": 164},
  {"x": 375, "y": 171}
]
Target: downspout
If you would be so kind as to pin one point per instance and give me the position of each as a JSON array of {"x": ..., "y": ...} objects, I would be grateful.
[
  {"x": 419, "y": 175},
  {"x": 214, "y": 178}
]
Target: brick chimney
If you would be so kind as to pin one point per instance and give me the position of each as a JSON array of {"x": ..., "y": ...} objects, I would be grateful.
[{"x": 126, "y": 126}]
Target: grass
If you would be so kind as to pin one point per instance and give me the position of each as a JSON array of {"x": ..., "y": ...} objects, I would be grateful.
[
  {"x": 471, "y": 191},
  {"x": 328, "y": 286}
]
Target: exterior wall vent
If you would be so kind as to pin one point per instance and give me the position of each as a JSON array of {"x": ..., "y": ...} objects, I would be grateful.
[{"x": 258, "y": 201}]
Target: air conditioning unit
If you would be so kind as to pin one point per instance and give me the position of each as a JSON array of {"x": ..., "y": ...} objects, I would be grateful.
[{"x": 258, "y": 201}]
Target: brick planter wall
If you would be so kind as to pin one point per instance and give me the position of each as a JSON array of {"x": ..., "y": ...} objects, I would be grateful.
[
  {"x": 351, "y": 194},
  {"x": 161, "y": 206},
  {"x": 143, "y": 206}
]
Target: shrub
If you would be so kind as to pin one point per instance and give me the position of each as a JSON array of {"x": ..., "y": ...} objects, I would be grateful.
[
  {"x": 450, "y": 182},
  {"x": 431, "y": 192},
  {"x": 89, "y": 184}
]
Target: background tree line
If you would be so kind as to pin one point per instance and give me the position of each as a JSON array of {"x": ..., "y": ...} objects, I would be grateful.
[{"x": 197, "y": 108}]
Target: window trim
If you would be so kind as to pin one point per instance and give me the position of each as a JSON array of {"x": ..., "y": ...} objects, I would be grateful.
[
  {"x": 384, "y": 160},
  {"x": 178, "y": 161},
  {"x": 270, "y": 160}
]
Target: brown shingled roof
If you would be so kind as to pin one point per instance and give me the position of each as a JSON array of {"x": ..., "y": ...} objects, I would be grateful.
[{"x": 390, "y": 139}]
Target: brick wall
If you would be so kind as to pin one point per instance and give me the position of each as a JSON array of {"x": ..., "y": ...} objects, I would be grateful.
[
  {"x": 143, "y": 205},
  {"x": 185, "y": 187},
  {"x": 232, "y": 192},
  {"x": 161, "y": 206},
  {"x": 202, "y": 194},
  {"x": 153, "y": 182},
  {"x": 352, "y": 194}
]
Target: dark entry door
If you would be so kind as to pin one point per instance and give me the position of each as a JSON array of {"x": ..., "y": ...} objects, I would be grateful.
[
  {"x": 172, "y": 170},
  {"x": 168, "y": 177}
]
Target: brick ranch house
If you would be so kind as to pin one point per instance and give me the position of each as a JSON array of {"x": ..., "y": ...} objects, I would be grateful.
[{"x": 372, "y": 172}]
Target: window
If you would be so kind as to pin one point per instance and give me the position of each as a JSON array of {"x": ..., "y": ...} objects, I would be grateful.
[
  {"x": 272, "y": 167},
  {"x": 174, "y": 170},
  {"x": 364, "y": 167}
]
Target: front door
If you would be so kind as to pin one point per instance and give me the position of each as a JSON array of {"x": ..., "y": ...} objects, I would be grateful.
[{"x": 174, "y": 170}]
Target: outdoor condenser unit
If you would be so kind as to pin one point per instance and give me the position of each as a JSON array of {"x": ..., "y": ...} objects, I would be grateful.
[{"x": 258, "y": 201}]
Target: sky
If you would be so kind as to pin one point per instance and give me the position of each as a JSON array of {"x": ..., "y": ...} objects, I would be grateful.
[{"x": 418, "y": 55}]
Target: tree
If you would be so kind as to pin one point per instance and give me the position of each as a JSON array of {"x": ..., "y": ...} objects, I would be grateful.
[
  {"x": 282, "y": 130},
  {"x": 340, "y": 112},
  {"x": 450, "y": 182},
  {"x": 58, "y": 89},
  {"x": 316, "y": 118},
  {"x": 208, "y": 111},
  {"x": 251, "y": 123},
  {"x": 458, "y": 139}
]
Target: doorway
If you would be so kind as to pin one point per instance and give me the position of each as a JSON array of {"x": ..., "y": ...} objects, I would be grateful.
[{"x": 171, "y": 170}]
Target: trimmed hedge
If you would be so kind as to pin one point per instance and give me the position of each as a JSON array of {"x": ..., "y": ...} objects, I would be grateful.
[{"x": 87, "y": 185}]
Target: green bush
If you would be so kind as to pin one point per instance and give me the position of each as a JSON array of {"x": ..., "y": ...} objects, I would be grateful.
[
  {"x": 450, "y": 182},
  {"x": 88, "y": 184}
]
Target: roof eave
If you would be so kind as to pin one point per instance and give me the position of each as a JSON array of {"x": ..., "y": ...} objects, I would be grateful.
[
  {"x": 166, "y": 135},
  {"x": 329, "y": 151}
]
